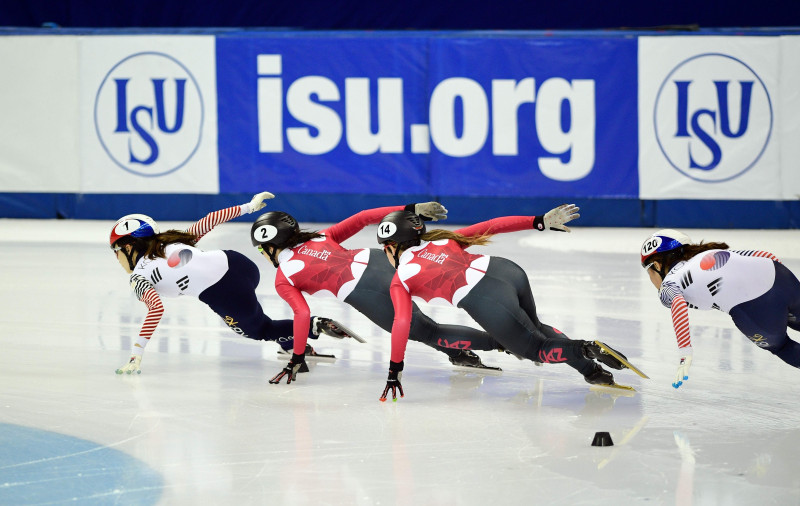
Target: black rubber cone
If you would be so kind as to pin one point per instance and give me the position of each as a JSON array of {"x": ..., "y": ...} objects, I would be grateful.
[{"x": 602, "y": 439}]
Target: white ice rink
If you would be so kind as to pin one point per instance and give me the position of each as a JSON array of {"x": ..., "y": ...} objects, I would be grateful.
[{"x": 201, "y": 425}]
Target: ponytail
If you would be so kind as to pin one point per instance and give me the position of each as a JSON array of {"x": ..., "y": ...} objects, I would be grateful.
[{"x": 465, "y": 241}]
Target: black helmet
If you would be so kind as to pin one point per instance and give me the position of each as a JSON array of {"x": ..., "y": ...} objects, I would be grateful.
[
  {"x": 274, "y": 229},
  {"x": 401, "y": 227}
]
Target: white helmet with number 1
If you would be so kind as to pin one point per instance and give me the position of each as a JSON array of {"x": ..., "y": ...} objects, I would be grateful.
[{"x": 134, "y": 225}]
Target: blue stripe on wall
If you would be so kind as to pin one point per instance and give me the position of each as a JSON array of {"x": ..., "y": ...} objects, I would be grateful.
[{"x": 595, "y": 212}]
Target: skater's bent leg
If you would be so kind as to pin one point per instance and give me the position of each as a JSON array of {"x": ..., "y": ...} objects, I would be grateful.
[
  {"x": 505, "y": 269},
  {"x": 371, "y": 298},
  {"x": 234, "y": 299},
  {"x": 763, "y": 321},
  {"x": 465, "y": 338},
  {"x": 494, "y": 305},
  {"x": 789, "y": 353}
]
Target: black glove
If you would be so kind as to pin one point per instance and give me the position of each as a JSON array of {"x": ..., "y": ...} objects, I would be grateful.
[
  {"x": 295, "y": 365},
  {"x": 393, "y": 381}
]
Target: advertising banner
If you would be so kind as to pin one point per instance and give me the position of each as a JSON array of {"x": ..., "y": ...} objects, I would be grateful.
[
  {"x": 316, "y": 114},
  {"x": 148, "y": 114},
  {"x": 393, "y": 114},
  {"x": 790, "y": 119},
  {"x": 533, "y": 117},
  {"x": 708, "y": 118},
  {"x": 38, "y": 139}
]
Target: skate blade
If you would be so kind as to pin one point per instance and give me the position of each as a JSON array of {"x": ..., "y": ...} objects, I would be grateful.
[
  {"x": 616, "y": 355},
  {"x": 351, "y": 333},
  {"x": 347, "y": 331},
  {"x": 480, "y": 370},
  {"x": 323, "y": 357},
  {"x": 625, "y": 389}
]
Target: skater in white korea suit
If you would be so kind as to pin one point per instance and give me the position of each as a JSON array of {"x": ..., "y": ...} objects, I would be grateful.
[
  {"x": 168, "y": 264},
  {"x": 759, "y": 293}
]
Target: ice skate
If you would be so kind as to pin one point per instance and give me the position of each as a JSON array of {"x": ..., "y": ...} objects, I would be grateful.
[
  {"x": 311, "y": 354},
  {"x": 467, "y": 358},
  {"x": 599, "y": 376},
  {"x": 333, "y": 328},
  {"x": 610, "y": 357}
]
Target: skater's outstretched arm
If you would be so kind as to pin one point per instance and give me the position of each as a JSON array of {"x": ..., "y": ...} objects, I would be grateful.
[
  {"x": 401, "y": 326},
  {"x": 350, "y": 226},
  {"x": 672, "y": 297},
  {"x": 552, "y": 220},
  {"x": 211, "y": 220},
  {"x": 155, "y": 309},
  {"x": 757, "y": 253},
  {"x": 302, "y": 313}
]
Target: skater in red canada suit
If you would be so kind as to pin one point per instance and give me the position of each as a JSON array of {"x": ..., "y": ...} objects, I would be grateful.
[
  {"x": 168, "y": 264},
  {"x": 494, "y": 291},
  {"x": 759, "y": 293},
  {"x": 315, "y": 263}
]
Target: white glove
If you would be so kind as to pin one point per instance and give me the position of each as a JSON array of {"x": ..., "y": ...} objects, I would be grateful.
[
  {"x": 555, "y": 218},
  {"x": 431, "y": 210},
  {"x": 132, "y": 366},
  {"x": 683, "y": 366},
  {"x": 258, "y": 201}
]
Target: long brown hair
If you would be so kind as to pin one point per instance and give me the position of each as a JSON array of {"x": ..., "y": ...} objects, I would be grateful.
[
  {"x": 155, "y": 246},
  {"x": 464, "y": 240},
  {"x": 670, "y": 258},
  {"x": 299, "y": 238}
]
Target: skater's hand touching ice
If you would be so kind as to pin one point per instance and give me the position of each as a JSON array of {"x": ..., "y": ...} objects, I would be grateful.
[
  {"x": 393, "y": 382},
  {"x": 132, "y": 366},
  {"x": 683, "y": 367},
  {"x": 295, "y": 365}
]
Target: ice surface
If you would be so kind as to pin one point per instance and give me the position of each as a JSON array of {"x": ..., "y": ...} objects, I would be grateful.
[{"x": 201, "y": 425}]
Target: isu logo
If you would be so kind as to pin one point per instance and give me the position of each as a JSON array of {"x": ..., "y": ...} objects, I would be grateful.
[
  {"x": 148, "y": 114},
  {"x": 713, "y": 117}
]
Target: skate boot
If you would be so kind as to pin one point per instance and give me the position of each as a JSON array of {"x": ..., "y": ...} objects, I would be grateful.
[
  {"x": 599, "y": 376},
  {"x": 593, "y": 351},
  {"x": 467, "y": 358},
  {"x": 320, "y": 325},
  {"x": 310, "y": 353}
]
